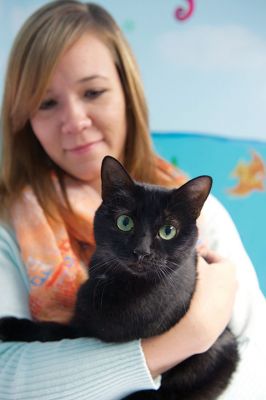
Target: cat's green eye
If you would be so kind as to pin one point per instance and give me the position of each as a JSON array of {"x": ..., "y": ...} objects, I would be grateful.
[
  {"x": 167, "y": 232},
  {"x": 125, "y": 223}
]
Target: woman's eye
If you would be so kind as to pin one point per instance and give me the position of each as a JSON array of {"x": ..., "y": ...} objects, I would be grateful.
[
  {"x": 167, "y": 232},
  {"x": 93, "y": 94},
  {"x": 47, "y": 104},
  {"x": 125, "y": 223}
]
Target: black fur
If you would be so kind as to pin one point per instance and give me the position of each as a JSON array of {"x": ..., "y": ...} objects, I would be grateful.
[{"x": 141, "y": 284}]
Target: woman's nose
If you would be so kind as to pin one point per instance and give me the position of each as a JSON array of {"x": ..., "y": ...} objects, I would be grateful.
[{"x": 75, "y": 119}]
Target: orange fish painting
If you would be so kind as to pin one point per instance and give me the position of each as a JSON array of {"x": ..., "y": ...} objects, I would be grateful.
[{"x": 250, "y": 176}]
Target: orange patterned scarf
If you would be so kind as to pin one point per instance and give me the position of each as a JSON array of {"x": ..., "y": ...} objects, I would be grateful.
[{"x": 56, "y": 252}]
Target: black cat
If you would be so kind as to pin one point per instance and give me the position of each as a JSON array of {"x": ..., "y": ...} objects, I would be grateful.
[{"x": 142, "y": 277}]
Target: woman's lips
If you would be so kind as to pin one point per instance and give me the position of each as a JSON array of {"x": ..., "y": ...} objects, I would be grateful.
[{"x": 84, "y": 148}]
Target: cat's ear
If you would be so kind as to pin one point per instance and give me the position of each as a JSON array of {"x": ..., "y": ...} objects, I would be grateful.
[
  {"x": 194, "y": 194},
  {"x": 114, "y": 176}
]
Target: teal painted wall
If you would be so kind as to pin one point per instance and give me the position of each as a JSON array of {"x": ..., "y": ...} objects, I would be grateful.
[{"x": 218, "y": 157}]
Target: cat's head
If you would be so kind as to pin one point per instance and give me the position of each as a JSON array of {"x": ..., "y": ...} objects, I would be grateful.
[{"x": 145, "y": 229}]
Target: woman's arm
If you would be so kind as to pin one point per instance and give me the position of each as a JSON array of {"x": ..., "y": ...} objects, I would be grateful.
[{"x": 72, "y": 369}]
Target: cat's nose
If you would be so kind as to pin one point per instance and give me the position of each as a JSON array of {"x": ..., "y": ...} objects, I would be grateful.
[{"x": 140, "y": 254}]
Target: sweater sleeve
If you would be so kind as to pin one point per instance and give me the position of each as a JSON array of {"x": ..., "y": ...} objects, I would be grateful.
[
  {"x": 84, "y": 368},
  {"x": 249, "y": 315}
]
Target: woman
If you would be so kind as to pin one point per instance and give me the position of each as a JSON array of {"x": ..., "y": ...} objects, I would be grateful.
[{"x": 72, "y": 95}]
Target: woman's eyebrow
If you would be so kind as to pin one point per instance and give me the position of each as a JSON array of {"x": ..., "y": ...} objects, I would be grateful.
[
  {"x": 82, "y": 80},
  {"x": 90, "y": 78}
]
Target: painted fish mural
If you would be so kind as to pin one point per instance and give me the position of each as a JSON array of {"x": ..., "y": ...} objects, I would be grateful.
[{"x": 250, "y": 176}]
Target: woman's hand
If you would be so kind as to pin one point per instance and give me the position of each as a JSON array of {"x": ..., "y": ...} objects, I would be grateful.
[
  {"x": 208, "y": 315},
  {"x": 212, "y": 304}
]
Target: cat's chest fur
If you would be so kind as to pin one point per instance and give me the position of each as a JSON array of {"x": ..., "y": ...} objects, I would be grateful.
[{"x": 123, "y": 308}]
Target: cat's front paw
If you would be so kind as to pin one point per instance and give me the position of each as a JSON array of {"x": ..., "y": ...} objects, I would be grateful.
[{"x": 10, "y": 329}]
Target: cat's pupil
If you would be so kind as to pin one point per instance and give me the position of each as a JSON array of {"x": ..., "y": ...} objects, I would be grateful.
[
  {"x": 168, "y": 230},
  {"x": 126, "y": 221}
]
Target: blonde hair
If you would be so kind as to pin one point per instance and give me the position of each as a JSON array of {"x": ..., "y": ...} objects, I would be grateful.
[{"x": 42, "y": 40}]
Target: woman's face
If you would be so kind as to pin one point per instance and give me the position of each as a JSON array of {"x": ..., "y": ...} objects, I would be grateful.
[{"x": 82, "y": 116}]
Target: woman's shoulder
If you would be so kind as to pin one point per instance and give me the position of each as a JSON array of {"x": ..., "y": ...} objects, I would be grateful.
[
  {"x": 213, "y": 206},
  {"x": 213, "y": 222},
  {"x": 219, "y": 232},
  {"x": 14, "y": 283},
  {"x": 7, "y": 235},
  {"x": 10, "y": 256}
]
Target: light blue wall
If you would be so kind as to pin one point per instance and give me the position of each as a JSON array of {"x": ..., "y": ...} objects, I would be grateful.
[{"x": 205, "y": 74}]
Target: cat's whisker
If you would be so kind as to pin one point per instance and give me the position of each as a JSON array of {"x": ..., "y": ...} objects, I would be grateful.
[
  {"x": 114, "y": 265},
  {"x": 101, "y": 280},
  {"x": 101, "y": 264},
  {"x": 102, "y": 284}
]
